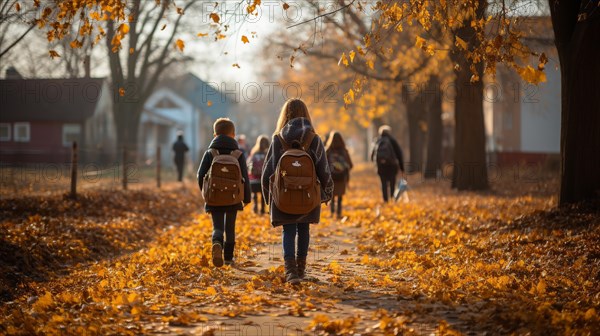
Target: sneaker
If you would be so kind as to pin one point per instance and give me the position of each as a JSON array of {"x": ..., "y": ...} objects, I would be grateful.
[{"x": 217, "y": 254}]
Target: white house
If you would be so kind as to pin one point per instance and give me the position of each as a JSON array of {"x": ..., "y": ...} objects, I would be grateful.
[
  {"x": 522, "y": 120},
  {"x": 187, "y": 105}
]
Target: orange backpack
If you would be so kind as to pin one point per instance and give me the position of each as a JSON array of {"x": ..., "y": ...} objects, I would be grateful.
[
  {"x": 294, "y": 187},
  {"x": 223, "y": 185}
]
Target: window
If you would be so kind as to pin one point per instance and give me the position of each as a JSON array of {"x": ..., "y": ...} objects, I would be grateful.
[
  {"x": 4, "y": 132},
  {"x": 70, "y": 133},
  {"x": 22, "y": 133}
]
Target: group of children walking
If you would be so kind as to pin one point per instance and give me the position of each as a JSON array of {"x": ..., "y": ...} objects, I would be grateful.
[{"x": 293, "y": 173}]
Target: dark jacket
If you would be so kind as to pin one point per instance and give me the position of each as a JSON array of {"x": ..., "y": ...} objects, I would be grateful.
[
  {"x": 339, "y": 185},
  {"x": 297, "y": 129},
  {"x": 179, "y": 147},
  {"x": 225, "y": 145},
  {"x": 393, "y": 168}
]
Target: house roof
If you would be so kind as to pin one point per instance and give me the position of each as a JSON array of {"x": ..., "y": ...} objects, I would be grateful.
[
  {"x": 200, "y": 94},
  {"x": 53, "y": 99}
]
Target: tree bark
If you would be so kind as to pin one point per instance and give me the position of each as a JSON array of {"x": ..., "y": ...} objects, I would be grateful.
[
  {"x": 416, "y": 111},
  {"x": 470, "y": 168},
  {"x": 577, "y": 44},
  {"x": 434, "y": 128}
]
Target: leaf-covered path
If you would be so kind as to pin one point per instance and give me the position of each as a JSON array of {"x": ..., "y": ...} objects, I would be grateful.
[{"x": 138, "y": 262}]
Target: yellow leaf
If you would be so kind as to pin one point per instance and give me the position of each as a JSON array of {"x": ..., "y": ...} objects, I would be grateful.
[
  {"x": 135, "y": 311},
  {"x": 245, "y": 39},
  {"x": 121, "y": 92},
  {"x": 174, "y": 300},
  {"x": 461, "y": 43},
  {"x": 421, "y": 42},
  {"x": 124, "y": 28},
  {"x": 285, "y": 6},
  {"x": 43, "y": 302},
  {"x": 57, "y": 318},
  {"x": 180, "y": 44},
  {"x": 451, "y": 234},
  {"x": 209, "y": 103},
  {"x": 370, "y": 64},
  {"x": 235, "y": 65},
  {"x": 163, "y": 27},
  {"x": 541, "y": 287},
  {"x": 531, "y": 75},
  {"x": 590, "y": 314},
  {"x": 348, "y": 99},
  {"x": 215, "y": 17},
  {"x": 210, "y": 291},
  {"x": 343, "y": 60},
  {"x": 360, "y": 50},
  {"x": 18, "y": 7},
  {"x": 202, "y": 34},
  {"x": 352, "y": 54},
  {"x": 131, "y": 50},
  {"x": 132, "y": 297},
  {"x": 53, "y": 54}
]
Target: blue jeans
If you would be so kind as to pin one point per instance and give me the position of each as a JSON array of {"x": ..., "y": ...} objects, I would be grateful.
[{"x": 289, "y": 240}]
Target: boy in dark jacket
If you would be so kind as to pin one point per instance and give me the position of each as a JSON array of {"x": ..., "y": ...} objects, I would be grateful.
[{"x": 223, "y": 217}]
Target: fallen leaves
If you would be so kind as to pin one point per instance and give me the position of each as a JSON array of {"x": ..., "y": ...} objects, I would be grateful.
[{"x": 139, "y": 262}]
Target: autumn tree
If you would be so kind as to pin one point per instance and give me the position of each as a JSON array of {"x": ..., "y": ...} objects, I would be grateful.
[
  {"x": 577, "y": 36},
  {"x": 16, "y": 22},
  {"x": 136, "y": 67}
]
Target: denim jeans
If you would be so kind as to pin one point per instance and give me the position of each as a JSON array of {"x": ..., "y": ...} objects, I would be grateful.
[
  {"x": 223, "y": 224},
  {"x": 289, "y": 240}
]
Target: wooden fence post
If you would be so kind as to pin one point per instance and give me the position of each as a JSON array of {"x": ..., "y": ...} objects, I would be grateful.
[
  {"x": 74, "y": 159},
  {"x": 124, "y": 168},
  {"x": 158, "y": 166}
]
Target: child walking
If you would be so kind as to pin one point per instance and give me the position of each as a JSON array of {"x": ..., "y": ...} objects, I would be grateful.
[
  {"x": 340, "y": 165},
  {"x": 294, "y": 129},
  {"x": 223, "y": 216},
  {"x": 255, "y": 165}
]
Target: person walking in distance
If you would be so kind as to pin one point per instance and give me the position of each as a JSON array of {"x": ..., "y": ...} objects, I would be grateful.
[
  {"x": 388, "y": 156},
  {"x": 340, "y": 165},
  {"x": 180, "y": 148},
  {"x": 255, "y": 166}
]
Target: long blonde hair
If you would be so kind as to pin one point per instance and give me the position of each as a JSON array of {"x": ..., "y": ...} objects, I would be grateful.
[{"x": 293, "y": 108}]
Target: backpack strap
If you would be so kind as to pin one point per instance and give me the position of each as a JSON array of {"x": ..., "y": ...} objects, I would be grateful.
[
  {"x": 236, "y": 153},
  {"x": 214, "y": 152}
]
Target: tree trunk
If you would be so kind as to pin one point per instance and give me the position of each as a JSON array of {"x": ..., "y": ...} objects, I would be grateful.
[
  {"x": 577, "y": 44},
  {"x": 415, "y": 110},
  {"x": 470, "y": 169},
  {"x": 127, "y": 117},
  {"x": 434, "y": 129}
]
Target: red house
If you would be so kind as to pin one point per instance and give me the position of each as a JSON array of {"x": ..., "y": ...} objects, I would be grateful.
[{"x": 40, "y": 118}]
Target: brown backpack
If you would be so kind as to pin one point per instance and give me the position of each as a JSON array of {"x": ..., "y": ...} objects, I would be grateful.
[
  {"x": 223, "y": 185},
  {"x": 294, "y": 187}
]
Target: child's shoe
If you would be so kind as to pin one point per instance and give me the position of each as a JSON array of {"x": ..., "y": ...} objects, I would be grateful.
[
  {"x": 217, "y": 254},
  {"x": 291, "y": 272}
]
